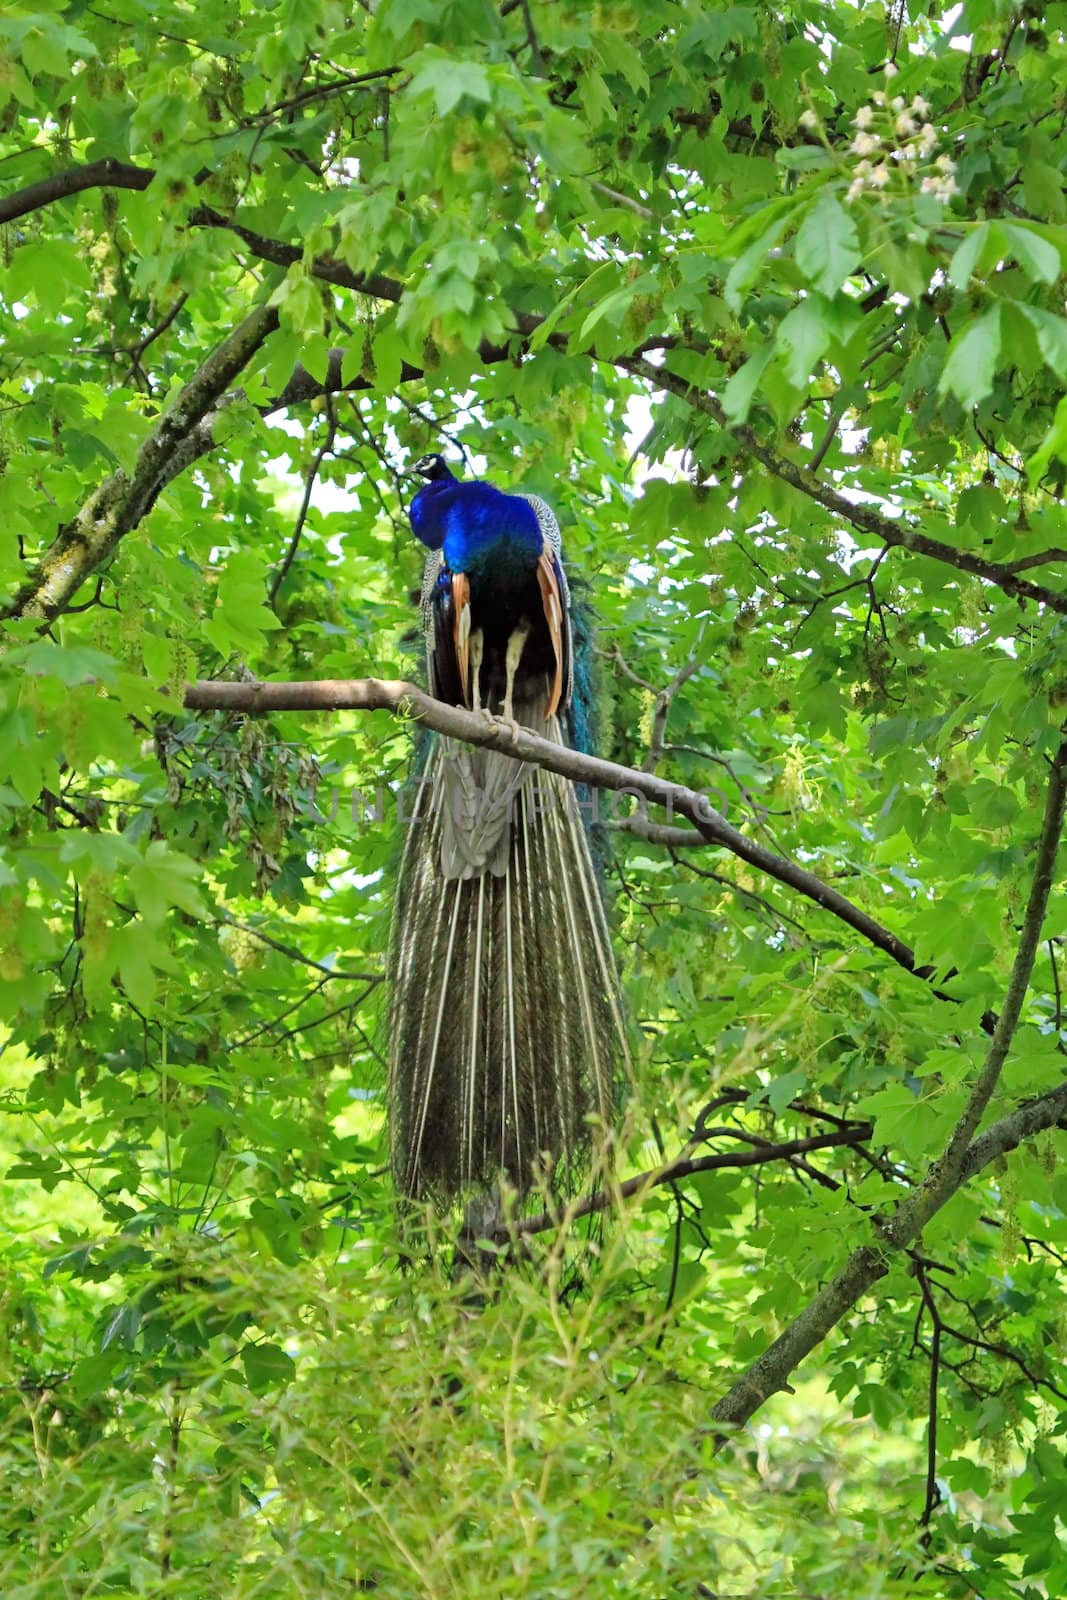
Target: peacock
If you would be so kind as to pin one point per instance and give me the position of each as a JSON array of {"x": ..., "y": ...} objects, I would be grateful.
[{"x": 506, "y": 1028}]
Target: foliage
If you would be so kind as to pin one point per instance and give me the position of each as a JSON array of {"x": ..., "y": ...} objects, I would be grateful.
[{"x": 256, "y": 258}]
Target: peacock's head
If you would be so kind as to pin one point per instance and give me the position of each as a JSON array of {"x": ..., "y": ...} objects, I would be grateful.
[
  {"x": 433, "y": 468},
  {"x": 428, "y": 507}
]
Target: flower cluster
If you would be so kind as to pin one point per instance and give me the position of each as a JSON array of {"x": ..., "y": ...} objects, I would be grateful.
[
  {"x": 892, "y": 130},
  {"x": 100, "y": 250},
  {"x": 892, "y": 134}
]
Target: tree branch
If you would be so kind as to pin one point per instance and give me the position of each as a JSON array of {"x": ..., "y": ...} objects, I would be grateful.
[
  {"x": 119, "y": 503},
  {"x": 106, "y": 174},
  {"x": 683, "y": 1167},
  {"x": 862, "y": 517},
  {"x": 664, "y": 701},
  {"x": 405, "y": 699},
  {"x": 305, "y": 504},
  {"x": 293, "y": 954},
  {"x": 944, "y": 1176},
  {"x": 281, "y": 254},
  {"x": 866, "y": 519},
  {"x": 960, "y": 1161}
]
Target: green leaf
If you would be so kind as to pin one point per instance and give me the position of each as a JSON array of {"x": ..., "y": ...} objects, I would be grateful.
[
  {"x": 1043, "y": 190},
  {"x": 1039, "y": 259},
  {"x": 804, "y": 158},
  {"x": 449, "y": 78},
  {"x": 745, "y": 269},
  {"x": 740, "y": 392},
  {"x": 1053, "y": 446},
  {"x": 121, "y": 1328},
  {"x": 1051, "y": 332},
  {"x": 70, "y": 665},
  {"x": 981, "y": 246},
  {"x": 539, "y": 337},
  {"x": 968, "y": 373},
  {"x": 48, "y": 273},
  {"x": 299, "y": 301},
  {"x": 827, "y": 245},
  {"x": 618, "y": 55},
  {"x": 94, "y": 1374},
  {"x": 613, "y": 307},
  {"x": 163, "y": 879},
  {"x": 267, "y": 1367},
  {"x": 803, "y": 335},
  {"x": 907, "y": 268},
  {"x": 388, "y": 353},
  {"x": 714, "y": 30}
]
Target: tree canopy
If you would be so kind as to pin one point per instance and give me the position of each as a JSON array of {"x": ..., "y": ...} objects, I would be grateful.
[{"x": 768, "y": 303}]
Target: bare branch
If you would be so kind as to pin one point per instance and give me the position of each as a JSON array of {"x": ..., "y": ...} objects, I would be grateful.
[{"x": 405, "y": 699}]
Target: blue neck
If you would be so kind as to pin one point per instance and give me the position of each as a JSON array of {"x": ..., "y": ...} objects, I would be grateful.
[{"x": 468, "y": 519}]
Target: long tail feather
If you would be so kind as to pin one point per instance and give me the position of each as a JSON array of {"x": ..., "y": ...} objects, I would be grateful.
[{"x": 506, "y": 1027}]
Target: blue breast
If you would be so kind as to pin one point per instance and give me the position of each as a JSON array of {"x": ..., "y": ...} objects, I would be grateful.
[{"x": 467, "y": 520}]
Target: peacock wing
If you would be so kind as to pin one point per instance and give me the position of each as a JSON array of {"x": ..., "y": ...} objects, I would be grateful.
[
  {"x": 445, "y": 612},
  {"x": 556, "y": 598}
]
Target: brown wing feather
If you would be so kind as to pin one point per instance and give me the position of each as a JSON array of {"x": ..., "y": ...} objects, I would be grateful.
[
  {"x": 461, "y": 627},
  {"x": 550, "y": 597}
]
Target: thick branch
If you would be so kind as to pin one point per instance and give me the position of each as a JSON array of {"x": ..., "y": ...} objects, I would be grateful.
[
  {"x": 961, "y": 1160},
  {"x": 376, "y": 694},
  {"x": 119, "y": 503},
  {"x": 1048, "y": 1111},
  {"x": 106, "y": 174}
]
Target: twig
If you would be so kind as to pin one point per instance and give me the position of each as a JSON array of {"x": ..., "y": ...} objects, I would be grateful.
[
  {"x": 537, "y": 60},
  {"x": 298, "y": 955},
  {"x": 309, "y": 485},
  {"x": 898, "y": 535},
  {"x": 623, "y": 200},
  {"x": 1041, "y": 559},
  {"x": 837, "y": 412},
  {"x": 1058, "y": 1019},
  {"x": 684, "y": 1167},
  {"x": 268, "y": 1027},
  {"x": 136, "y": 351},
  {"x": 664, "y": 701},
  {"x": 323, "y": 91},
  {"x": 933, "y": 1493}
]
